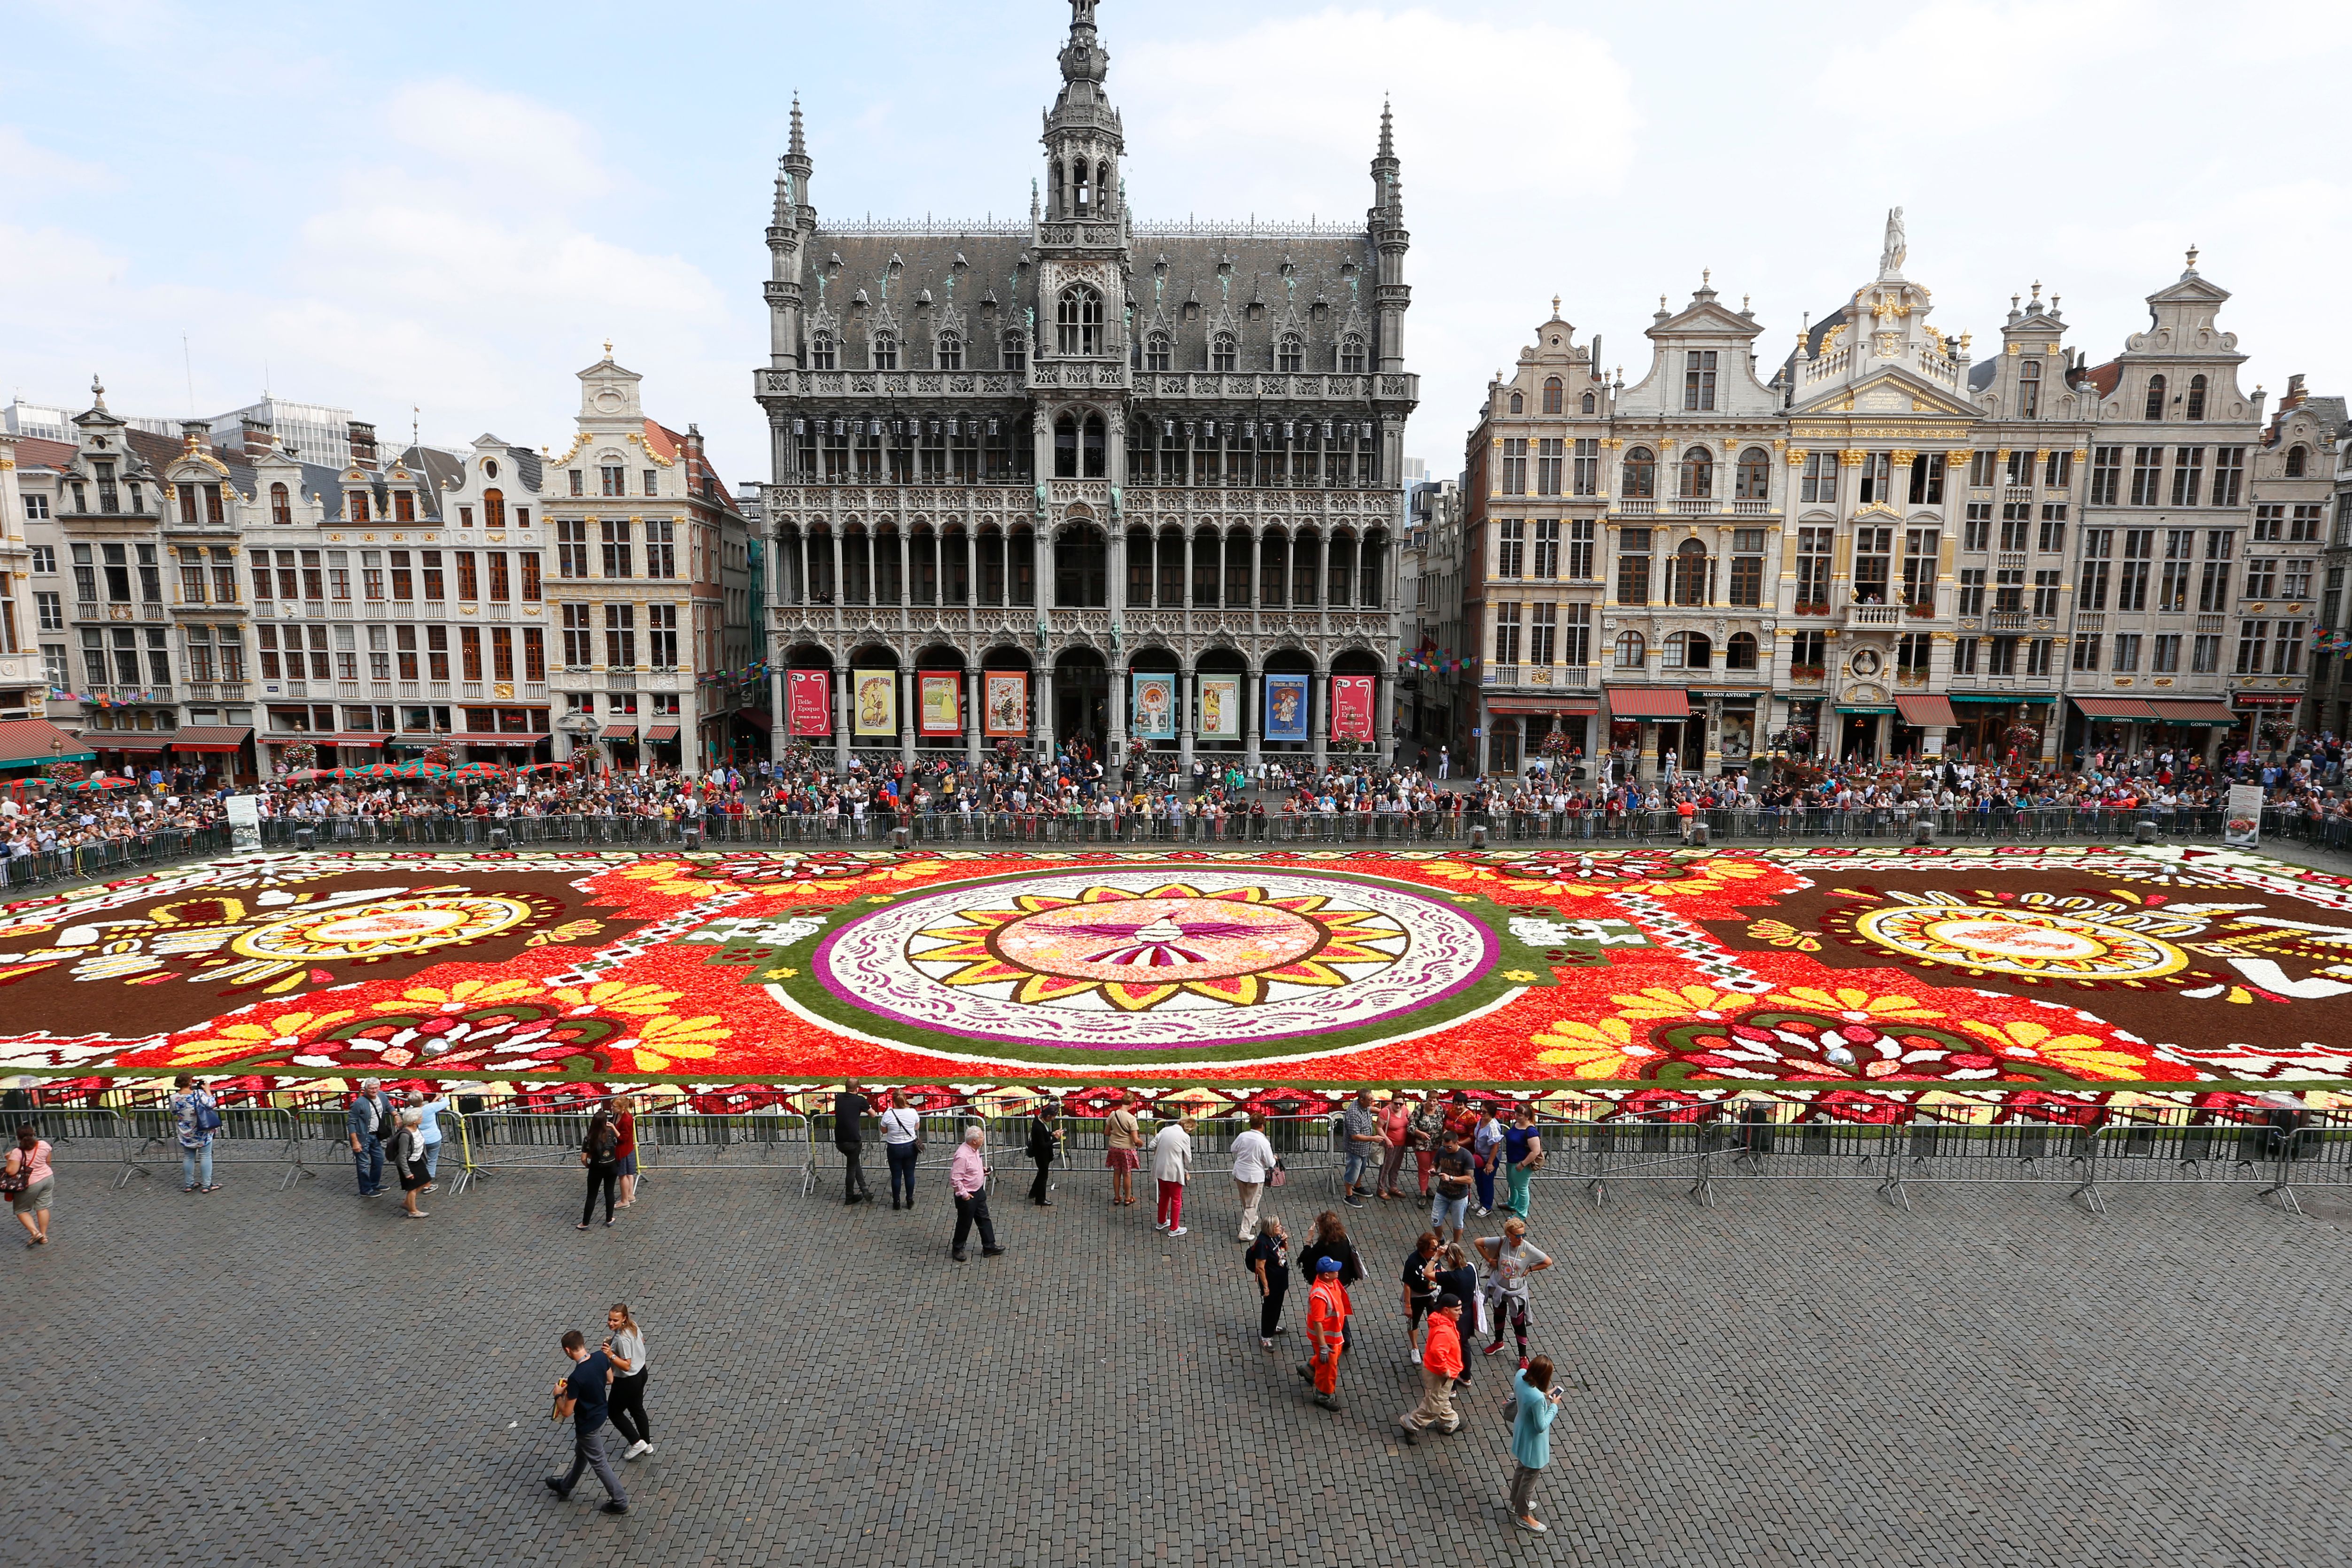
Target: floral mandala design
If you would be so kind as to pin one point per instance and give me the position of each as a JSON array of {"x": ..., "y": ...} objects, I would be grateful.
[{"x": 2036, "y": 938}]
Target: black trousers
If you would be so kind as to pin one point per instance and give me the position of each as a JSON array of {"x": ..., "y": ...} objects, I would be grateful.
[
  {"x": 1037, "y": 1187},
  {"x": 626, "y": 1406},
  {"x": 853, "y": 1175},
  {"x": 971, "y": 1211},
  {"x": 601, "y": 1178},
  {"x": 1269, "y": 1312}
]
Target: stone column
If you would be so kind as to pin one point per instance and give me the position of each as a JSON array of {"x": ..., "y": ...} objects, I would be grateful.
[
  {"x": 1711, "y": 761},
  {"x": 1878, "y": 736},
  {"x": 1185, "y": 681},
  {"x": 1646, "y": 769},
  {"x": 1384, "y": 729},
  {"x": 1255, "y": 701},
  {"x": 833, "y": 533},
  {"x": 971, "y": 577},
  {"x": 841, "y": 715},
  {"x": 909, "y": 718},
  {"x": 1115, "y": 727},
  {"x": 906, "y": 576},
  {"x": 1041, "y": 721},
  {"x": 974, "y": 687},
  {"x": 779, "y": 723},
  {"x": 1318, "y": 716}
]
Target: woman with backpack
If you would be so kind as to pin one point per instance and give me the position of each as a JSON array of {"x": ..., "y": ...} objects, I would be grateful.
[
  {"x": 27, "y": 1181},
  {"x": 197, "y": 1117},
  {"x": 600, "y": 1152}
]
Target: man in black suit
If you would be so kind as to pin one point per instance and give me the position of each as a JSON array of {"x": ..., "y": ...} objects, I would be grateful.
[
  {"x": 1045, "y": 1141},
  {"x": 849, "y": 1109}
]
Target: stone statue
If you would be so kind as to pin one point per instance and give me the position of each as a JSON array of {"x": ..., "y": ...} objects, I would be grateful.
[{"x": 1890, "y": 256}]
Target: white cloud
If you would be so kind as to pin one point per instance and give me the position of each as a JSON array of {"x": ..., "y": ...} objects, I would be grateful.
[
  {"x": 35, "y": 173},
  {"x": 502, "y": 138}
]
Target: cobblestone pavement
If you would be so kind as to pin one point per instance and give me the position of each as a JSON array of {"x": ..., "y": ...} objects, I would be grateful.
[{"x": 1798, "y": 1374}]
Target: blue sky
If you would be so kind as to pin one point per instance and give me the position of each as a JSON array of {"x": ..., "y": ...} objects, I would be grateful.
[{"x": 450, "y": 207}]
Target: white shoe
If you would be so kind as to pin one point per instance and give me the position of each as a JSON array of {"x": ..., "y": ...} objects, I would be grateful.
[
  {"x": 633, "y": 1451},
  {"x": 1158, "y": 1225},
  {"x": 645, "y": 1447},
  {"x": 1181, "y": 1230}
]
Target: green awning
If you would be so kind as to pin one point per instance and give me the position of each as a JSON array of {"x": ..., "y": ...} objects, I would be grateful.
[{"x": 1845, "y": 709}]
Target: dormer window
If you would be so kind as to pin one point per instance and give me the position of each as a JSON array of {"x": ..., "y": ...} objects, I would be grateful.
[
  {"x": 885, "y": 351},
  {"x": 1518, "y": 404},
  {"x": 1015, "y": 353},
  {"x": 1220, "y": 352},
  {"x": 2029, "y": 389},
  {"x": 1553, "y": 389},
  {"x": 404, "y": 502},
  {"x": 950, "y": 352},
  {"x": 1078, "y": 320},
  {"x": 1157, "y": 352},
  {"x": 2155, "y": 409},
  {"x": 359, "y": 506},
  {"x": 1698, "y": 380},
  {"x": 820, "y": 355},
  {"x": 1352, "y": 355},
  {"x": 281, "y": 506},
  {"x": 2197, "y": 397},
  {"x": 1289, "y": 354},
  {"x": 2298, "y": 459}
]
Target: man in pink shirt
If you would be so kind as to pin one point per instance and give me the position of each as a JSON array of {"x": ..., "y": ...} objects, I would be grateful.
[{"x": 968, "y": 1176}]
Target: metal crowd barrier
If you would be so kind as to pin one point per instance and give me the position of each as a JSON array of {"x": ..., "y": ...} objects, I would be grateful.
[
  {"x": 77, "y": 1134},
  {"x": 95, "y": 861},
  {"x": 942, "y": 1130},
  {"x": 247, "y": 1136}
]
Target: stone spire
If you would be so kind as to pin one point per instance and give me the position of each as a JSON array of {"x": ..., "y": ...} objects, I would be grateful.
[{"x": 1084, "y": 138}]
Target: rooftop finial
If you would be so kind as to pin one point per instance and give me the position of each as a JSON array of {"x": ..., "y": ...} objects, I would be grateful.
[
  {"x": 2192, "y": 258},
  {"x": 799, "y": 148},
  {"x": 97, "y": 391},
  {"x": 1388, "y": 139},
  {"x": 1555, "y": 307},
  {"x": 608, "y": 348}
]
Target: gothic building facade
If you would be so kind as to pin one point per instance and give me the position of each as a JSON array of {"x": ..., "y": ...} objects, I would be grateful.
[{"x": 1084, "y": 475}]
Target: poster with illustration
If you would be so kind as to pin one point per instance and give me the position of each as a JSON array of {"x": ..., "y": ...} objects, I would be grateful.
[
  {"x": 874, "y": 701},
  {"x": 1005, "y": 704},
  {"x": 808, "y": 700},
  {"x": 1155, "y": 707},
  {"x": 1351, "y": 707},
  {"x": 2243, "y": 828},
  {"x": 941, "y": 712},
  {"x": 1221, "y": 708},
  {"x": 1286, "y": 708}
]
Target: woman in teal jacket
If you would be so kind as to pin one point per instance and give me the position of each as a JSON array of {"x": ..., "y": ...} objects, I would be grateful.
[{"x": 1539, "y": 1402}]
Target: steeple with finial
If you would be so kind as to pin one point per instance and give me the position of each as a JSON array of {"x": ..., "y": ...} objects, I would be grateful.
[
  {"x": 790, "y": 230},
  {"x": 1392, "y": 296},
  {"x": 1084, "y": 138}
]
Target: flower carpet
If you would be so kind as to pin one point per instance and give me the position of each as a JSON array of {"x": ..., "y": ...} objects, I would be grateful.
[{"x": 1807, "y": 967}]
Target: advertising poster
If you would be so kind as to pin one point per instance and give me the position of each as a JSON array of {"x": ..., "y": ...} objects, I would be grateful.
[
  {"x": 1351, "y": 707},
  {"x": 941, "y": 705},
  {"x": 1221, "y": 708},
  {"x": 1285, "y": 707},
  {"x": 2244, "y": 830},
  {"x": 1155, "y": 708},
  {"x": 808, "y": 700},
  {"x": 1004, "y": 698},
  {"x": 874, "y": 701}
]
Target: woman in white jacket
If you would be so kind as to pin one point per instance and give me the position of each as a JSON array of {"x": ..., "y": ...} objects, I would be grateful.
[
  {"x": 1252, "y": 1168},
  {"x": 1172, "y": 1166}
]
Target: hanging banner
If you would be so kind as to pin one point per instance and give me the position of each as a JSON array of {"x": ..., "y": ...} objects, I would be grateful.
[
  {"x": 1286, "y": 708},
  {"x": 2244, "y": 828},
  {"x": 941, "y": 710},
  {"x": 808, "y": 700},
  {"x": 1351, "y": 707},
  {"x": 1004, "y": 704},
  {"x": 1154, "y": 718},
  {"x": 874, "y": 701},
  {"x": 1221, "y": 708}
]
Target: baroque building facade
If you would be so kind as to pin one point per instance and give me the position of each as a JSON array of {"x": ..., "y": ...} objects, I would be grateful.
[
  {"x": 1030, "y": 476},
  {"x": 1887, "y": 548}
]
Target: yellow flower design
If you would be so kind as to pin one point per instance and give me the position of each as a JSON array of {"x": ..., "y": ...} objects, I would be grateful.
[
  {"x": 677, "y": 878},
  {"x": 668, "y": 1041},
  {"x": 1605, "y": 1049},
  {"x": 616, "y": 996},
  {"x": 1679, "y": 1002},
  {"x": 459, "y": 998},
  {"x": 1856, "y": 1005},
  {"x": 1520, "y": 977},
  {"x": 1780, "y": 933},
  {"x": 281, "y": 1032},
  {"x": 910, "y": 871},
  {"x": 2085, "y": 1055}
]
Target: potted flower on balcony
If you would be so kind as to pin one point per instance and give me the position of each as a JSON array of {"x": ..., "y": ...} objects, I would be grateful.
[
  {"x": 1922, "y": 608},
  {"x": 1805, "y": 672},
  {"x": 1820, "y": 607}
]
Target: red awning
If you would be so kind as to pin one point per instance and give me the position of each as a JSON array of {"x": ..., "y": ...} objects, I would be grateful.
[
  {"x": 1648, "y": 702},
  {"x": 29, "y": 740},
  {"x": 1931, "y": 711},
  {"x": 1567, "y": 707},
  {"x": 212, "y": 738},
  {"x": 757, "y": 717},
  {"x": 662, "y": 732},
  {"x": 354, "y": 740},
  {"x": 617, "y": 732},
  {"x": 2114, "y": 708},
  {"x": 2187, "y": 710},
  {"x": 2245, "y": 698}
]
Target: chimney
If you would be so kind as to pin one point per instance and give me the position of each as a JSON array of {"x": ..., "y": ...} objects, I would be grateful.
[
  {"x": 363, "y": 438},
  {"x": 197, "y": 433},
  {"x": 2293, "y": 397},
  {"x": 257, "y": 437}
]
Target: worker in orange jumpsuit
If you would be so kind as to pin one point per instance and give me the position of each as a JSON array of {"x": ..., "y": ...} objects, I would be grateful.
[{"x": 1328, "y": 1310}]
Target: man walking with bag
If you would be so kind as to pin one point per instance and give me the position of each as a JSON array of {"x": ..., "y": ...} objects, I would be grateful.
[{"x": 582, "y": 1397}]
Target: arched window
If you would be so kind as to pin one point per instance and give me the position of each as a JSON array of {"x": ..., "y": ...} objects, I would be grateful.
[
  {"x": 885, "y": 352},
  {"x": 950, "y": 352},
  {"x": 1699, "y": 475},
  {"x": 1739, "y": 652},
  {"x": 821, "y": 351},
  {"x": 1754, "y": 480},
  {"x": 1220, "y": 352},
  {"x": 1095, "y": 458},
  {"x": 1156, "y": 351},
  {"x": 1352, "y": 355},
  {"x": 2155, "y": 398},
  {"x": 1103, "y": 191},
  {"x": 1518, "y": 404},
  {"x": 2197, "y": 397},
  {"x": 2298, "y": 457},
  {"x": 1078, "y": 320},
  {"x": 1589, "y": 404},
  {"x": 1080, "y": 180},
  {"x": 1054, "y": 192},
  {"x": 1640, "y": 478},
  {"x": 2029, "y": 389},
  {"x": 1631, "y": 650},
  {"x": 494, "y": 508},
  {"x": 1553, "y": 391},
  {"x": 281, "y": 506},
  {"x": 1015, "y": 353},
  {"x": 1687, "y": 583},
  {"x": 1066, "y": 448},
  {"x": 1289, "y": 354}
]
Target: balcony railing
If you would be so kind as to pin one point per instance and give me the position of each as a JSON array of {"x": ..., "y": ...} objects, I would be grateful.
[
  {"x": 1873, "y": 615},
  {"x": 1751, "y": 509},
  {"x": 1637, "y": 507},
  {"x": 1695, "y": 508}
]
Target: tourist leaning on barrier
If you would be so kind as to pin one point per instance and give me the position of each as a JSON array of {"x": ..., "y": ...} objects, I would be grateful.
[
  {"x": 29, "y": 1181},
  {"x": 1522, "y": 1154},
  {"x": 1254, "y": 1168},
  {"x": 624, "y": 1126},
  {"x": 902, "y": 1145},
  {"x": 1123, "y": 1149},
  {"x": 600, "y": 1153},
  {"x": 1511, "y": 1262},
  {"x": 582, "y": 1398},
  {"x": 1045, "y": 1142},
  {"x": 196, "y": 1117},
  {"x": 1269, "y": 1264},
  {"x": 968, "y": 1177},
  {"x": 368, "y": 1121},
  {"x": 849, "y": 1109},
  {"x": 1535, "y": 1403},
  {"x": 624, "y": 1347},
  {"x": 408, "y": 1162},
  {"x": 1172, "y": 1167}
]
